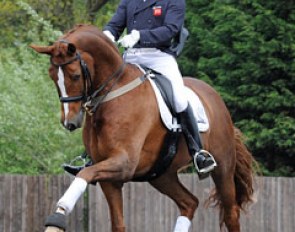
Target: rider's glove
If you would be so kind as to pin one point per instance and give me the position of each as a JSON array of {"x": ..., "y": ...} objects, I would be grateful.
[
  {"x": 128, "y": 41},
  {"x": 109, "y": 35}
]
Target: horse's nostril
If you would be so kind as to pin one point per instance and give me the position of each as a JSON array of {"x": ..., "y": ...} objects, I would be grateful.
[{"x": 71, "y": 126}]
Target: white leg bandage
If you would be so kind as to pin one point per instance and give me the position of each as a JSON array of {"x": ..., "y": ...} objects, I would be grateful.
[
  {"x": 182, "y": 224},
  {"x": 71, "y": 196}
]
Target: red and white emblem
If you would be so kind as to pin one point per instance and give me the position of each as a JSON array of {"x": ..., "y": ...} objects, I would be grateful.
[{"x": 157, "y": 11}]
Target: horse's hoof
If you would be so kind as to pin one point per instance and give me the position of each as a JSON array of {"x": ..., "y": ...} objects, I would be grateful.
[
  {"x": 53, "y": 229},
  {"x": 57, "y": 221}
]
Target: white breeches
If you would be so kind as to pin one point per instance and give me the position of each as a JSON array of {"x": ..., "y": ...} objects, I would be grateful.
[{"x": 165, "y": 64}]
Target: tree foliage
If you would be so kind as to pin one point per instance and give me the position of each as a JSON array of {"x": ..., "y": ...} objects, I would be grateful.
[
  {"x": 31, "y": 138},
  {"x": 246, "y": 50}
]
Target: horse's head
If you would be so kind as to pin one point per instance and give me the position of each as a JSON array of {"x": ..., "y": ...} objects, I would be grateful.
[
  {"x": 72, "y": 78},
  {"x": 82, "y": 60}
]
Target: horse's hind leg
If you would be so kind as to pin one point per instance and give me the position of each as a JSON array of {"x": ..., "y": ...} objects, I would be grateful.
[
  {"x": 226, "y": 194},
  {"x": 187, "y": 203}
]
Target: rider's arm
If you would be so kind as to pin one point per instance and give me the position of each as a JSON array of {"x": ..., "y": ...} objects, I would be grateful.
[{"x": 118, "y": 22}]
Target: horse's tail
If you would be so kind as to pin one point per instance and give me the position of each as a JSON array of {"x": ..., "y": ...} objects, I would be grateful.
[{"x": 244, "y": 173}]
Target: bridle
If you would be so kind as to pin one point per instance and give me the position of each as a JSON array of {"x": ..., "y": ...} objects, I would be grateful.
[
  {"x": 86, "y": 79},
  {"x": 89, "y": 94}
]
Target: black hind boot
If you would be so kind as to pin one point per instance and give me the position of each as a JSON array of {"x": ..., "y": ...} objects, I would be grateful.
[{"x": 203, "y": 160}]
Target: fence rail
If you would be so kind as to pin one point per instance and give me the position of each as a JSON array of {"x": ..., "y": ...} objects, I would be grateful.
[{"x": 25, "y": 201}]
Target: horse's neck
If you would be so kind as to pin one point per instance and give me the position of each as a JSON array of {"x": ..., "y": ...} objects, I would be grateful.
[{"x": 115, "y": 72}]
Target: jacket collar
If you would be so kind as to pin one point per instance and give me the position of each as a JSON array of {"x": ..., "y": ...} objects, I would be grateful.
[{"x": 141, "y": 5}]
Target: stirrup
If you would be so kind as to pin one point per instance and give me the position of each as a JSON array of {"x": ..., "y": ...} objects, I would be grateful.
[
  {"x": 80, "y": 158},
  {"x": 206, "y": 169}
]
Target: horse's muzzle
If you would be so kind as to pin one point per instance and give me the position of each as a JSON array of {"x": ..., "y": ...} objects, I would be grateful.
[
  {"x": 75, "y": 122},
  {"x": 70, "y": 126}
]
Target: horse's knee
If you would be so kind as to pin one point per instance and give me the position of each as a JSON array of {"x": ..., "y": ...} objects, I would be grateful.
[{"x": 118, "y": 168}]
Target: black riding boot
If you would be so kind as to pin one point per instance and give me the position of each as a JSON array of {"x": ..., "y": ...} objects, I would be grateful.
[
  {"x": 74, "y": 170},
  {"x": 203, "y": 160}
]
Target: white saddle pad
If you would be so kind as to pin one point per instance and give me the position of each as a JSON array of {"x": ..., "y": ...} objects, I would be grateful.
[{"x": 196, "y": 104}]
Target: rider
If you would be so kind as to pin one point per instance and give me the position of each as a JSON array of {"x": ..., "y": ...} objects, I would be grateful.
[{"x": 151, "y": 27}]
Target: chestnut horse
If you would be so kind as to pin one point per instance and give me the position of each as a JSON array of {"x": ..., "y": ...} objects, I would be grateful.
[{"x": 124, "y": 134}]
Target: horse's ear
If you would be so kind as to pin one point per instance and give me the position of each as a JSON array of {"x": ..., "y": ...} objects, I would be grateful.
[
  {"x": 42, "y": 49},
  {"x": 71, "y": 49}
]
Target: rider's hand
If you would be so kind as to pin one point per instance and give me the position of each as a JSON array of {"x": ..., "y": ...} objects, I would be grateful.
[
  {"x": 128, "y": 41},
  {"x": 109, "y": 35}
]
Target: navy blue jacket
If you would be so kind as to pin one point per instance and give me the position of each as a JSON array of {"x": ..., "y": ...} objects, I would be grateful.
[{"x": 158, "y": 21}]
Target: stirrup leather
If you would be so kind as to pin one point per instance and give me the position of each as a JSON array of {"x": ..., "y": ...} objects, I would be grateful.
[{"x": 206, "y": 169}]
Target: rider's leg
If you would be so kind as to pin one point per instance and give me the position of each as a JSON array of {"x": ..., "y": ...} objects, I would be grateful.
[
  {"x": 203, "y": 161},
  {"x": 167, "y": 65}
]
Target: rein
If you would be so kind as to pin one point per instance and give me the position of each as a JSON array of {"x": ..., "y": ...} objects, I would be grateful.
[{"x": 93, "y": 101}]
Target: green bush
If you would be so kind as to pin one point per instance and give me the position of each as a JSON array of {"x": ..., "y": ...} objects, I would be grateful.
[
  {"x": 32, "y": 140},
  {"x": 245, "y": 49}
]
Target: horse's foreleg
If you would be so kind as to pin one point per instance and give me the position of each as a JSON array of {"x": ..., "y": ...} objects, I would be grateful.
[
  {"x": 56, "y": 222},
  {"x": 113, "y": 194},
  {"x": 117, "y": 168},
  {"x": 111, "y": 173},
  {"x": 187, "y": 203}
]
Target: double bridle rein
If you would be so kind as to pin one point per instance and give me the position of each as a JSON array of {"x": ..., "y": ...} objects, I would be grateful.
[{"x": 90, "y": 98}]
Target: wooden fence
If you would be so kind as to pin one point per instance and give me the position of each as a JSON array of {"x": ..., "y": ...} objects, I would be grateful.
[{"x": 25, "y": 201}]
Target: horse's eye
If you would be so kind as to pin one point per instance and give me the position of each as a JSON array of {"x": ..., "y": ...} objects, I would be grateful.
[{"x": 76, "y": 77}]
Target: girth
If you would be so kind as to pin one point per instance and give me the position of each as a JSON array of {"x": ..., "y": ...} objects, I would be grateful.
[{"x": 167, "y": 154}]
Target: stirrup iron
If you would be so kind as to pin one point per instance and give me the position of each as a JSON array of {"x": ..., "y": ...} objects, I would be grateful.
[{"x": 206, "y": 169}]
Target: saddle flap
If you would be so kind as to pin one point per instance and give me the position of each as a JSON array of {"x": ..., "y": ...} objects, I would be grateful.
[{"x": 165, "y": 88}]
